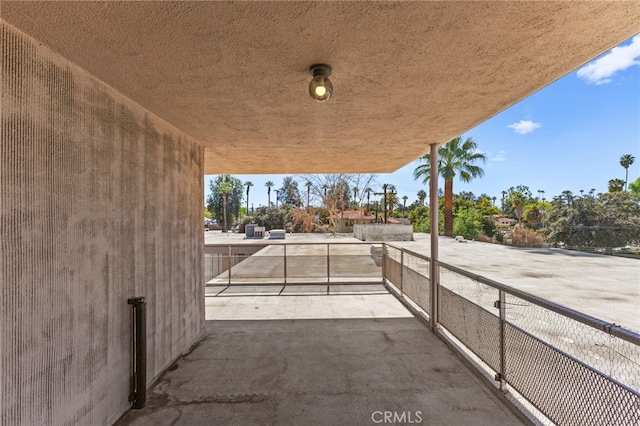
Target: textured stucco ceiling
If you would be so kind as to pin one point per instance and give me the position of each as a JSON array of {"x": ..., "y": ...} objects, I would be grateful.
[{"x": 234, "y": 75}]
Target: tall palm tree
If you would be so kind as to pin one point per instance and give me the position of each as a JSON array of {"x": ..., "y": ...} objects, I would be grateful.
[
  {"x": 368, "y": 191},
  {"x": 248, "y": 184},
  {"x": 324, "y": 188},
  {"x": 625, "y": 161},
  {"x": 224, "y": 189},
  {"x": 384, "y": 201},
  {"x": 308, "y": 185},
  {"x": 404, "y": 205},
  {"x": 391, "y": 200},
  {"x": 454, "y": 157},
  {"x": 517, "y": 202},
  {"x": 422, "y": 195},
  {"x": 269, "y": 184}
]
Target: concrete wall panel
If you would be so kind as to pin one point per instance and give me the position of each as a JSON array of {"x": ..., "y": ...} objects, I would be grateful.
[{"x": 100, "y": 201}]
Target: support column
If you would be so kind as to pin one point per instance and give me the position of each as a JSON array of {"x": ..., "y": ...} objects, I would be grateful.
[{"x": 434, "y": 272}]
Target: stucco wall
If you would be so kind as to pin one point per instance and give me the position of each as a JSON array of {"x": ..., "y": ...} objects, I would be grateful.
[{"x": 100, "y": 201}]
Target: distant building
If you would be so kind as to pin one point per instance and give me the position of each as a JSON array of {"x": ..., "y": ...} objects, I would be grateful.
[
  {"x": 504, "y": 221},
  {"x": 348, "y": 218},
  {"x": 399, "y": 220}
]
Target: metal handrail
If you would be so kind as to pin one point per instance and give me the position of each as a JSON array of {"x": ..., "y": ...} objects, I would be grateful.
[
  {"x": 229, "y": 249},
  {"x": 260, "y": 243},
  {"x": 607, "y": 327}
]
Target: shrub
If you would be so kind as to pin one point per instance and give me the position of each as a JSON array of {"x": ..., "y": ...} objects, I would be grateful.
[
  {"x": 525, "y": 237},
  {"x": 302, "y": 221}
]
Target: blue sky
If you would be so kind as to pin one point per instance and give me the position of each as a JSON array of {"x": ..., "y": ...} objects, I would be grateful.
[{"x": 569, "y": 135}]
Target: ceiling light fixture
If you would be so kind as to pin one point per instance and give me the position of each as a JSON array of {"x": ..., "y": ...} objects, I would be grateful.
[{"x": 320, "y": 87}]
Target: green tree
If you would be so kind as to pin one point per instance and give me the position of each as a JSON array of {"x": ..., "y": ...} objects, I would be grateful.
[
  {"x": 486, "y": 207},
  {"x": 625, "y": 161},
  {"x": 609, "y": 220},
  {"x": 514, "y": 201},
  {"x": 270, "y": 218},
  {"x": 468, "y": 223},
  {"x": 454, "y": 158},
  {"x": 420, "y": 219},
  {"x": 248, "y": 184},
  {"x": 269, "y": 185},
  {"x": 235, "y": 196},
  {"x": 289, "y": 192},
  {"x": 634, "y": 186}
]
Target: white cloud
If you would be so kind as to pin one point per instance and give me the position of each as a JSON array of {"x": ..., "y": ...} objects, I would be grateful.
[
  {"x": 493, "y": 157},
  {"x": 501, "y": 156},
  {"x": 524, "y": 126},
  {"x": 617, "y": 59}
]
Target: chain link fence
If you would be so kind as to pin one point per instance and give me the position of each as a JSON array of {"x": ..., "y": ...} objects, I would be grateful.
[{"x": 570, "y": 368}]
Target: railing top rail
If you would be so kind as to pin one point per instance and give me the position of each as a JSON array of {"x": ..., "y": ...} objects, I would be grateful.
[
  {"x": 610, "y": 328},
  {"x": 260, "y": 243},
  {"x": 411, "y": 252}
]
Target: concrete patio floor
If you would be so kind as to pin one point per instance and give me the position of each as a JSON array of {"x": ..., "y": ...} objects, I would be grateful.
[
  {"x": 335, "y": 354},
  {"x": 330, "y": 359}
]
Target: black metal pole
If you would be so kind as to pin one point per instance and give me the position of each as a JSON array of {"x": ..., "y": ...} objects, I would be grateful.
[{"x": 139, "y": 389}]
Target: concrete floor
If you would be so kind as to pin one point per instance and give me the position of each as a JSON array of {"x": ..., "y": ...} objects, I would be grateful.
[
  {"x": 334, "y": 355},
  {"x": 346, "y": 371}
]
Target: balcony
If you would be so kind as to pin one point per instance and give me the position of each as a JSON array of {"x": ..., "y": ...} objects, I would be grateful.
[{"x": 340, "y": 332}]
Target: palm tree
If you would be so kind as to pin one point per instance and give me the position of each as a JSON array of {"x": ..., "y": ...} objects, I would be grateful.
[
  {"x": 616, "y": 185},
  {"x": 269, "y": 184},
  {"x": 517, "y": 202},
  {"x": 248, "y": 184},
  {"x": 277, "y": 195},
  {"x": 324, "y": 188},
  {"x": 625, "y": 161},
  {"x": 224, "y": 189},
  {"x": 308, "y": 185},
  {"x": 368, "y": 191},
  {"x": 404, "y": 205},
  {"x": 453, "y": 157},
  {"x": 391, "y": 200},
  {"x": 422, "y": 195}
]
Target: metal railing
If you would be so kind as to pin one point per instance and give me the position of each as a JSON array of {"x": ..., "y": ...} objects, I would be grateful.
[
  {"x": 292, "y": 263},
  {"x": 571, "y": 368}
]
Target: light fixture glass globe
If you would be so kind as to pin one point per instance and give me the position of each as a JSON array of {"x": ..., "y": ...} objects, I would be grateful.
[{"x": 320, "y": 88}]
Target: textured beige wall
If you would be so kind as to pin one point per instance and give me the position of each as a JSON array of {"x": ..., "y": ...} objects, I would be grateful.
[{"x": 100, "y": 201}]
